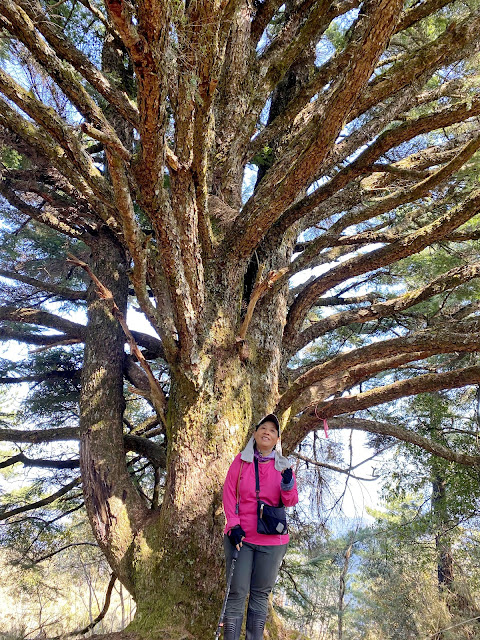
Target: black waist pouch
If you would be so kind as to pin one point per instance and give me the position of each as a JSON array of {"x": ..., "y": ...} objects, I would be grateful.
[{"x": 271, "y": 521}]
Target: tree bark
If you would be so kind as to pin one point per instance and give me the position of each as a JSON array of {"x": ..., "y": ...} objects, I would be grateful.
[{"x": 114, "y": 507}]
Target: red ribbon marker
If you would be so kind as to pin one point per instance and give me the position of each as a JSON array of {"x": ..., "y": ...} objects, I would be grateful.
[
  {"x": 325, "y": 423},
  {"x": 325, "y": 427}
]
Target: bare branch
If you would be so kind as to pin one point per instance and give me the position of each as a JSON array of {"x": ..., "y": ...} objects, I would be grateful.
[
  {"x": 36, "y": 338},
  {"x": 332, "y": 467},
  {"x": 377, "y": 310},
  {"x": 42, "y": 285},
  {"x": 65, "y": 50},
  {"x": 101, "y": 615},
  {"x": 279, "y": 187},
  {"x": 39, "y": 436},
  {"x": 261, "y": 287},
  {"x": 20, "y": 25},
  {"x": 388, "y": 429},
  {"x": 407, "y": 245},
  {"x": 4, "y": 515},
  {"x": 157, "y": 395},
  {"x": 155, "y": 453},
  {"x": 38, "y": 462},
  {"x": 59, "y": 130},
  {"x": 388, "y": 139},
  {"x": 429, "y": 341},
  {"x": 67, "y": 546},
  {"x": 31, "y": 315}
]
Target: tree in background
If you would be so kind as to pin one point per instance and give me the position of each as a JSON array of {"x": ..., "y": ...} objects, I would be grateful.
[
  {"x": 395, "y": 591},
  {"x": 127, "y": 131}
]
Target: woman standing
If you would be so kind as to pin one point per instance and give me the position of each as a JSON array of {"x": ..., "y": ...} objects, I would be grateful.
[{"x": 260, "y": 555}]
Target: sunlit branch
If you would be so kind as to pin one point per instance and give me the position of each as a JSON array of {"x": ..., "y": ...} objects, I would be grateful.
[
  {"x": 431, "y": 341},
  {"x": 305, "y": 157},
  {"x": 388, "y": 139},
  {"x": 56, "y": 154},
  {"x": 69, "y": 329},
  {"x": 421, "y": 384},
  {"x": 377, "y": 310},
  {"x": 20, "y": 24},
  {"x": 37, "y": 213},
  {"x": 457, "y": 42},
  {"x": 429, "y": 58},
  {"x": 66, "y": 50},
  {"x": 60, "y": 131},
  {"x": 391, "y": 201},
  {"x": 44, "y": 318},
  {"x": 407, "y": 245}
]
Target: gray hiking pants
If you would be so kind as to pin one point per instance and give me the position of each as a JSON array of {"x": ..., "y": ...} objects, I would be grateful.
[{"x": 255, "y": 572}]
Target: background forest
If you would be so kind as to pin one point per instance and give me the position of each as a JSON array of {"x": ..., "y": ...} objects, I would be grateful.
[{"x": 282, "y": 201}]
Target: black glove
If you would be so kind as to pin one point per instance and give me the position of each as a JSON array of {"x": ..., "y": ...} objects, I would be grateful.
[
  {"x": 235, "y": 535},
  {"x": 287, "y": 476}
]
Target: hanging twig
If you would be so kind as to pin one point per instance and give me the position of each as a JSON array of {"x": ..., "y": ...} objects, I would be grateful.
[
  {"x": 157, "y": 395},
  {"x": 332, "y": 467},
  {"x": 101, "y": 615},
  {"x": 259, "y": 290}
]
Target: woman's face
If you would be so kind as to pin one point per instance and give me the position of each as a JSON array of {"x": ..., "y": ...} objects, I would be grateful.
[{"x": 266, "y": 436}]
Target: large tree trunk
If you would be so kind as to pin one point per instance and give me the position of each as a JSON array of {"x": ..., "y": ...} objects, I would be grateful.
[
  {"x": 114, "y": 507},
  {"x": 171, "y": 558},
  {"x": 178, "y": 558}
]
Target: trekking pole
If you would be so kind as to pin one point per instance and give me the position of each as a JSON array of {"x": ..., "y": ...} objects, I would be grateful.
[{"x": 227, "y": 591}]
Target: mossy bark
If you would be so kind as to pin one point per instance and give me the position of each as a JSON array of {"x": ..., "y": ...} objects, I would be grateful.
[
  {"x": 171, "y": 559},
  {"x": 178, "y": 566},
  {"x": 114, "y": 508}
]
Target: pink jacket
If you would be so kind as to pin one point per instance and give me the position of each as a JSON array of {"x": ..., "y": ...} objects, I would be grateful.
[{"x": 270, "y": 493}]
